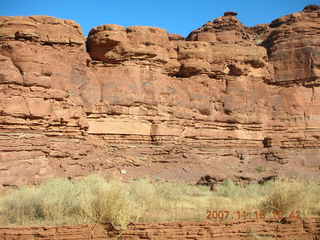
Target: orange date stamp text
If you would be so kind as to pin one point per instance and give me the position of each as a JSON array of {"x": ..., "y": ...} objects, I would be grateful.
[{"x": 220, "y": 215}]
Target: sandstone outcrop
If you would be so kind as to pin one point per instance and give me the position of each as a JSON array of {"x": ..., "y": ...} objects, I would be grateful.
[
  {"x": 308, "y": 229},
  {"x": 228, "y": 98},
  {"x": 293, "y": 46}
]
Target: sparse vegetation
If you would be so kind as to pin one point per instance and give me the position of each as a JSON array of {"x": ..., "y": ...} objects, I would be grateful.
[
  {"x": 284, "y": 198},
  {"x": 260, "y": 169},
  {"x": 93, "y": 199},
  {"x": 291, "y": 195}
]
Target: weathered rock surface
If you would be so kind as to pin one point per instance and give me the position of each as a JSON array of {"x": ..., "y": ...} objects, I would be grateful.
[
  {"x": 293, "y": 46},
  {"x": 307, "y": 229},
  {"x": 227, "y": 99},
  {"x": 43, "y": 29}
]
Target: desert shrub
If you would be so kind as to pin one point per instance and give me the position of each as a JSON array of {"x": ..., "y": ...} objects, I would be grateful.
[
  {"x": 310, "y": 199},
  {"x": 285, "y": 196},
  {"x": 229, "y": 189},
  {"x": 232, "y": 196},
  {"x": 57, "y": 199},
  {"x": 102, "y": 202},
  {"x": 95, "y": 200},
  {"x": 144, "y": 193},
  {"x": 22, "y": 206},
  {"x": 61, "y": 201},
  {"x": 167, "y": 201},
  {"x": 260, "y": 169},
  {"x": 114, "y": 204},
  {"x": 53, "y": 202}
]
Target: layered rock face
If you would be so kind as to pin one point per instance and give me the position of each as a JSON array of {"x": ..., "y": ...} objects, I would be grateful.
[
  {"x": 228, "y": 99},
  {"x": 286, "y": 229},
  {"x": 294, "y": 48}
]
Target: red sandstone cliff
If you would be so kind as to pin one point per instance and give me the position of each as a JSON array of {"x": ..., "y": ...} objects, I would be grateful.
[{"x": 225, "y": 100}]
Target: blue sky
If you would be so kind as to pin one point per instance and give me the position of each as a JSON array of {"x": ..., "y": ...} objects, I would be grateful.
[{"x": 180, "y": 16}]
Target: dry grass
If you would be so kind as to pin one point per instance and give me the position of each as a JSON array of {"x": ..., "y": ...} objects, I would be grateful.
[
  {"x": 284, "y": 197},
  {"x": 93, "y": 199},
  {"x": 287, "y": 196}
]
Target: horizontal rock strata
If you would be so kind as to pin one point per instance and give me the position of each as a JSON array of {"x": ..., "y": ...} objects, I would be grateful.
[
  {"x": 244, "y": 229},
  {"x": 228, "y": 98}
]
